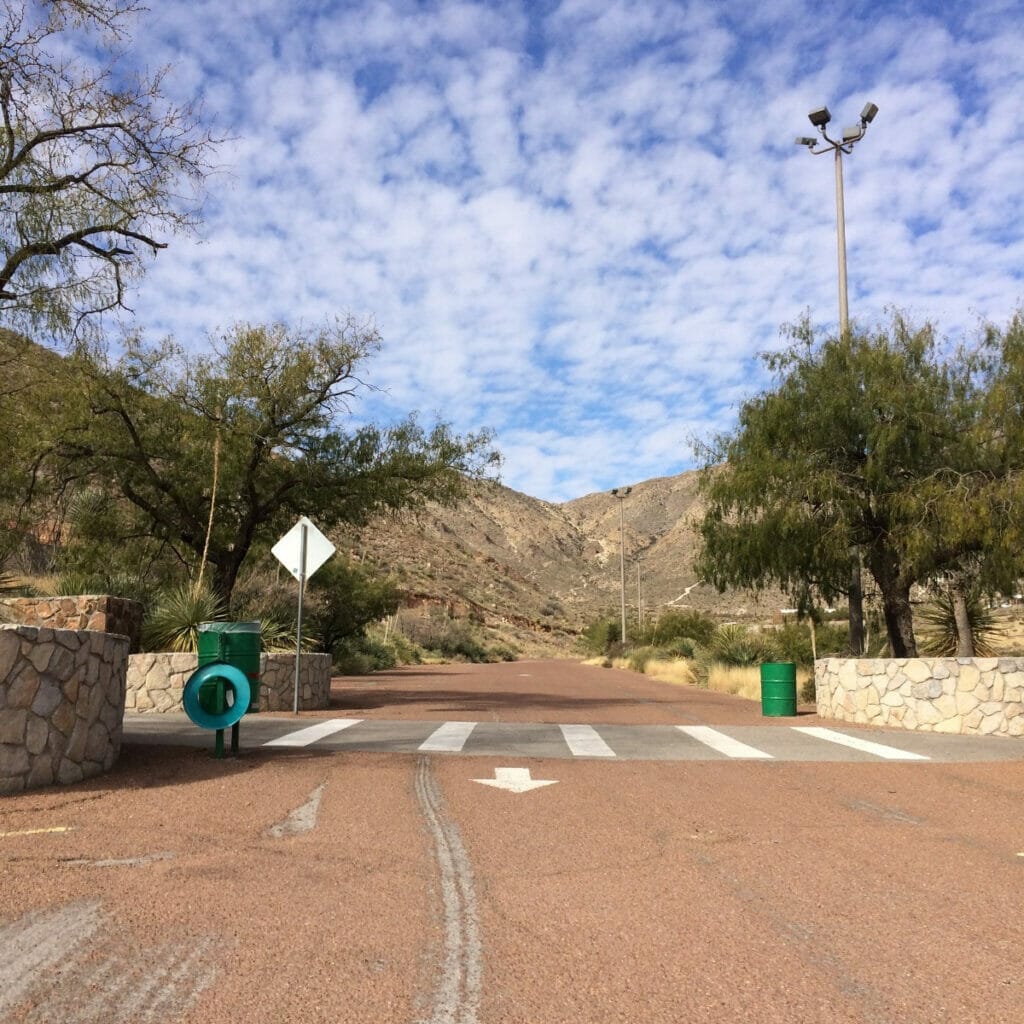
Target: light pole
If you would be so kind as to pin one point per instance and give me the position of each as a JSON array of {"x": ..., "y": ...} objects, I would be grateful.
[
  {"x": 820, "y": 118},
  {"x": 851, "y": 136},
  {"x": 621, "y": 493}
]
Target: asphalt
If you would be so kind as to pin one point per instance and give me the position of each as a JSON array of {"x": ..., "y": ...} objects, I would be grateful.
[{"x": 780, "y": 741}]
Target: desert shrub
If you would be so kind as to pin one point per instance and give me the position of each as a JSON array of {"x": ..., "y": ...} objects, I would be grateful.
[
  {"x": 675, "y": 623},
  {"x": 502, "y": 652},
  {"x": 680, "y": 647},
  {"x": 361, "y": 655},
  {"x": 600, "y": 636},
  {"x": 808, "y": 691},
  {"x": 639, "y": 658},
  {"x": 447, "y": 637}
]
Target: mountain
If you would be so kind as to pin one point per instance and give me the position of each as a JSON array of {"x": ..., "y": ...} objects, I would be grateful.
[{"x": 538, "y": 572}]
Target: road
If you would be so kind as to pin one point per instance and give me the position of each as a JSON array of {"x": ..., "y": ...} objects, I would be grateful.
[{"x": 337, "y": 883}]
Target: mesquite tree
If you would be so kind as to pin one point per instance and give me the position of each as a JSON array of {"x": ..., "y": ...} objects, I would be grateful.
[{"x": 97, "y": 167}]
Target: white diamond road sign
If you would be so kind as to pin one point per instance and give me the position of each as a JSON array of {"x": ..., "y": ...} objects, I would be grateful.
[{"x": 288, "y": 550}]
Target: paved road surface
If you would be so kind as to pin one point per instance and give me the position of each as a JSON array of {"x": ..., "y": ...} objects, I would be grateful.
[{"x": 318, "y": 883}]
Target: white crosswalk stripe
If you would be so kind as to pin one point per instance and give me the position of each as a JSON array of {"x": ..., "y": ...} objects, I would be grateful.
[
  {"x": 583, "y": 741},
  {"x": 856, "y": 743},
  {"x": 304, "y": 737},
  {"x": 605, "y": 741},
  {"x": 450, "y": 738},
  {"x": 723, "y": 744}
]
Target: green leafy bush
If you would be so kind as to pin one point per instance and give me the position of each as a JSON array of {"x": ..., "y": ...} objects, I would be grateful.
[
  {"x": 639, "y": 658},
  {"x": 680, "y": 647},
  {"x": 599, "y": 636},
  {"x": 675, "y": 623}
]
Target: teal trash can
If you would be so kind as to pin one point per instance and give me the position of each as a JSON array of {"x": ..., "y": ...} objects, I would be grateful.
[
  {"x": 778, "y": 689},
  {"x": 236, "y": 644}
]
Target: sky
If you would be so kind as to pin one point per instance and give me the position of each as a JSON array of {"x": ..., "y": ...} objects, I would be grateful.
[{"x": 578, "y": 223}]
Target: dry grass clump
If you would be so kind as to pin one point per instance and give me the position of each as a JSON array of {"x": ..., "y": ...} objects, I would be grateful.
[{"x": 678, "y": 671}]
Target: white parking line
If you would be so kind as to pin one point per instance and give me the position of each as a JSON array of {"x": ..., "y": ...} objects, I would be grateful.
[
  {"x": 450, "y": 738},
  {"x": 583, "y": 741},
  {"x": 303, "y": 737},
  {"x": 723, "y": 744},
  {"x": 878, "y": 749}
]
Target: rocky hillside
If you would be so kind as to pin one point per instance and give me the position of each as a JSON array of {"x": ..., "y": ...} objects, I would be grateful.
[{"x": 532, "y": 567}]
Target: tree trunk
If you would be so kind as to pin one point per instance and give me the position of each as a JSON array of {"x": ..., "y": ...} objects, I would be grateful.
[
  {"x": 964, "y": 632},
  {"x": 856, "y": 604},
  {"x": 896, "y": 610}
]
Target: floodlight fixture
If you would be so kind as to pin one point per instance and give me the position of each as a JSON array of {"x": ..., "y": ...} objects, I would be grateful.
[
  {"x": 852, "y": 133},
  {"x": 867, "y": 115},
  {"x": 820, "y": 117},
  {"x": 805, "y": 140}
]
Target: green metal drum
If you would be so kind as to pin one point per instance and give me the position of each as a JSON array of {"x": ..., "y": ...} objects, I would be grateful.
[
  {"x": 236, "y": 644},
  {"x": 778, "y": 689}
]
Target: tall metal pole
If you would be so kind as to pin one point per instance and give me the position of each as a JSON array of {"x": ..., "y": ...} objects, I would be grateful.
[
  {"x": 620, "y": 493},
  {"x": 639, "y": 604},
  {"x": 844, "y": 306},
  {"x": 820, "y": 118},
  {"x": 298, "y": 628},
  {"x": 622, "y": 568}
]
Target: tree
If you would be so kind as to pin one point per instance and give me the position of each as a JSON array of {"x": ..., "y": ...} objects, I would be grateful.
[
  {"x": 859, "y": 433},
  {"x": 94, "y": 164},
  {"x": 268, "y": 401}
]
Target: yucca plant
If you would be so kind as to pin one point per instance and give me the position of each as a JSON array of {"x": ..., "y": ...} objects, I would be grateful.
[
  {"x": 173, "y": 622},
  {"x": 939, "y": 637},
  {"x": 278, "y": 638},
  {"x": 733, "y": 644}
]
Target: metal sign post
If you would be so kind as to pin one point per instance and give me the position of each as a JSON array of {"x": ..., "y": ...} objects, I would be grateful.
[
  {"x": 302, "y": 593},
  {"x": 302, "y": 550}
]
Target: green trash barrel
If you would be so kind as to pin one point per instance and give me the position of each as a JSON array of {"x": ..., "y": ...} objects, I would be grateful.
[
  {"x": 236, "y": 644},
  {"x": 778, "y": 689}
]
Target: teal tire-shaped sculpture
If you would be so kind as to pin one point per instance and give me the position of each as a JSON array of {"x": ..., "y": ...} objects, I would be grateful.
[{"x": 234, "y": 678}]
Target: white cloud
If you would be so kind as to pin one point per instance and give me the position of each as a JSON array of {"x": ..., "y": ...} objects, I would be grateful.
[{"x": 578, "y": 223}]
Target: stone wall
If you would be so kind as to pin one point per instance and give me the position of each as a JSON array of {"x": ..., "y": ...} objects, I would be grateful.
[
  {"x": 61, "y": 704},
  {"x": 976, "y": 696},
  {"x": 156, "y": 681},
  {"x": 99, "y": 612}
]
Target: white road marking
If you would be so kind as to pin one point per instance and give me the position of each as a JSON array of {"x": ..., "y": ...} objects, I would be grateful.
[
  {"x": 303, "y": 737},
  {"x": 515, "y": 780},
  {"x": 878, "y": 749},
  {"x": 583, "y": 741},
  {"x": 450, "y": 738},
  {"x": 302, "y": 819},
  {"x": 723, "y": 744}
]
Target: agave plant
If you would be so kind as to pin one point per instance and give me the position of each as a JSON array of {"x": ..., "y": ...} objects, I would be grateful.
[{"x": 173, "y": 622}]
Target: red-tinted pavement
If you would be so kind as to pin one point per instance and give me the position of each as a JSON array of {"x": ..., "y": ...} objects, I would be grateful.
[{"x": 363, "y": 887}]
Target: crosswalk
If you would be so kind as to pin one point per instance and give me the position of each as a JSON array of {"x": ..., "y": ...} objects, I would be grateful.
[{"x": 682, "y": 742}]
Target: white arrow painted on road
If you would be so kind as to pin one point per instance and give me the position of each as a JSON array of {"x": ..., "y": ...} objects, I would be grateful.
[{"x": 515, "y": 780}]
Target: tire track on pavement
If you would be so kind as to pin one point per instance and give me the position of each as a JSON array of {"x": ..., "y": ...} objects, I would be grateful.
[
  {"x": 41, "y": 939},
  {"x": 457, "y": 998}
]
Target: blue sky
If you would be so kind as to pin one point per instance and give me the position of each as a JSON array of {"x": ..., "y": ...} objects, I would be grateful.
[{"x": 578, "y": 223}]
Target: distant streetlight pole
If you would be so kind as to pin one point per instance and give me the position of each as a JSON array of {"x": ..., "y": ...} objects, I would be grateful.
[
  {"x": 621, "y": 493},
  {"x": 820, "y": 118}
]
